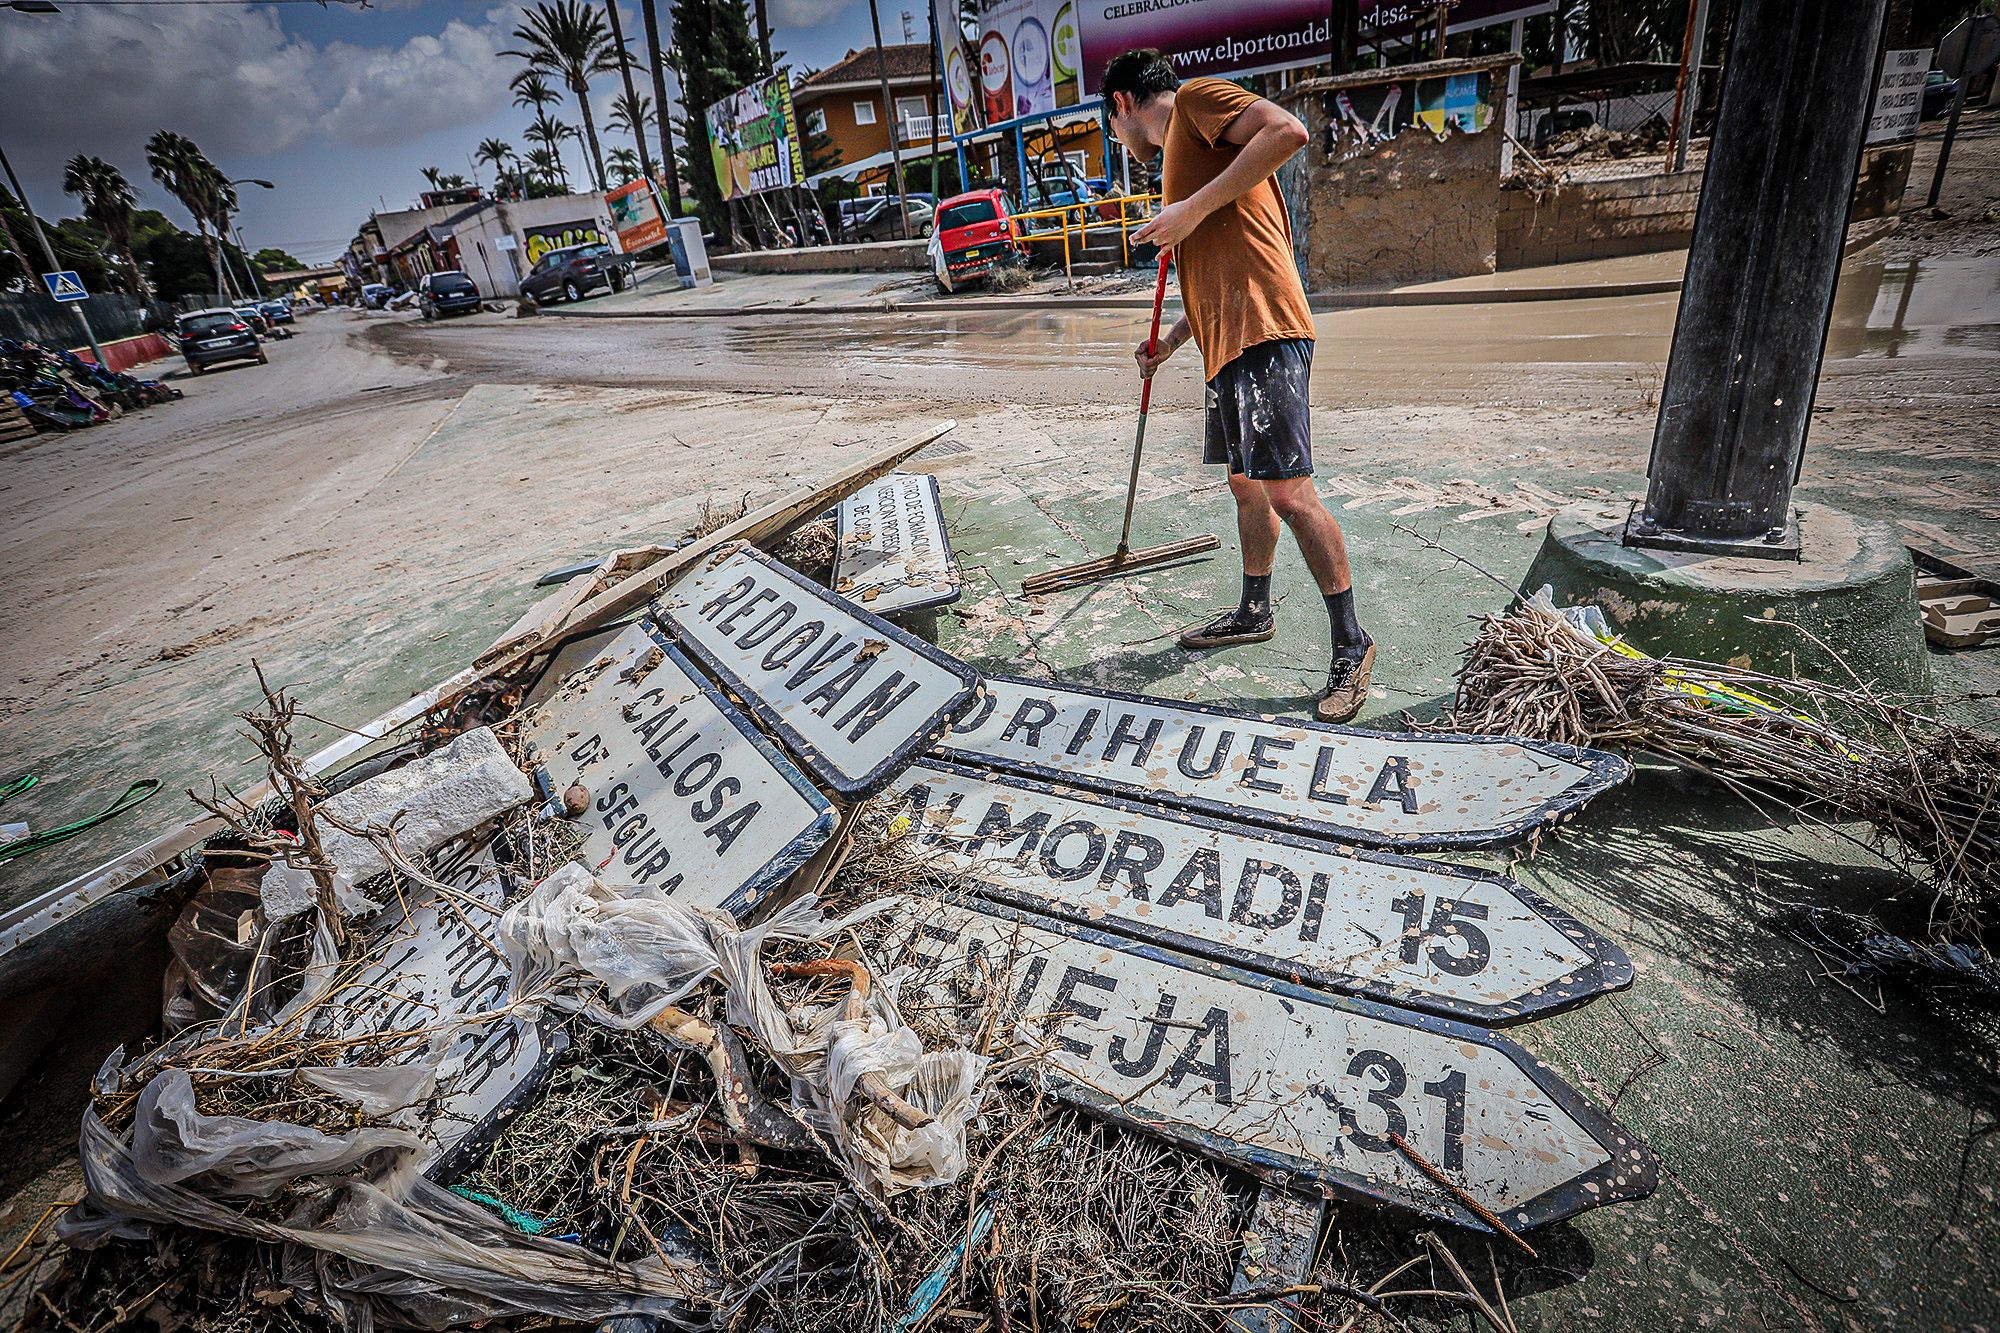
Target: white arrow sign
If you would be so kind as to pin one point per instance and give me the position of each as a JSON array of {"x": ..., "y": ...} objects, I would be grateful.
[
  {"x": 685, "y": 797},
  {"x": 852, "y": 697},
  {"x": 891, "y": 551},
  {"x": 1277, "y": 1078},
  {"x": 1455, "y": 941},
  {"x": 1379, "y": 789}
]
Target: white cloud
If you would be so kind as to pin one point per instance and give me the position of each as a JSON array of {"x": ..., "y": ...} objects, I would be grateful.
[
  {"x": 807, "y": 13},
  {"x": 102, "y": 79}
]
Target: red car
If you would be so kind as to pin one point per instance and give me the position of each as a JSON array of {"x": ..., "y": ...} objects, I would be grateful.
[{"x": 975, "y": 232}]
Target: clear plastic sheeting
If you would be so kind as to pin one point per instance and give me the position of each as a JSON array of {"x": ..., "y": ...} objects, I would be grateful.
[
  {"x": 215, "y": 943},
  {"x": 622, "y": 956},
  {"x": 389, "y": 1245}
]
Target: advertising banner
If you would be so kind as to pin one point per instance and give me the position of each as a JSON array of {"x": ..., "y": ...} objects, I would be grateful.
[
  {"x": 753, "y": 138},
  {"x": 635, "y": 216},
  {"x": 955, "y": 62},
  {"x": 1231, "y": 37},
  {"x": 1030, "y": 58},
  {"x": 540, "y": 240}
]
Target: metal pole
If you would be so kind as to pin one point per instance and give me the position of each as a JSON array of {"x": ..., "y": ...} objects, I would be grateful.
[
  {"x": 49, "y": 253},
  {"x": 1733, "y": 418},
  {"x": 889, "y": 117},
  {"x": 1689, "y": 95},
  {"x": 1512, "y": 107},
  {"x": 1950, "y": 133}
]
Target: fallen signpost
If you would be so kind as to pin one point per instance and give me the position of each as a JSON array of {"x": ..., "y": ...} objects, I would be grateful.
[
  {"x": 682, "y": 796},
  {"x": 434, "y": 966},
  {"x": 1447, "y": 939},
  {"x": 1377, "y": 789},
  {"x": 853, "y": 698},
  {"x": 1334, "y": 1093},
  {"x": 892, "y": 554}
]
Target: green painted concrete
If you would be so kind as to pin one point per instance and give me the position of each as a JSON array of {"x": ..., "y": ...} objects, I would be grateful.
[{"x": 1848, "y": 605}]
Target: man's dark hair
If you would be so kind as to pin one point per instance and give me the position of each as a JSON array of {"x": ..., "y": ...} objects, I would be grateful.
[{"x": 1142, "y": 74}]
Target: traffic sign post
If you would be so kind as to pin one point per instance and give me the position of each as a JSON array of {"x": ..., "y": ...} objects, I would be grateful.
[
  {"x": 49, "y": 253},
  {"x": 65, "y": 286}
]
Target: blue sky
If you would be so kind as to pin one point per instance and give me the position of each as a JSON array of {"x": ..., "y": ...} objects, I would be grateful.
[{"x": 340, "y": 108}]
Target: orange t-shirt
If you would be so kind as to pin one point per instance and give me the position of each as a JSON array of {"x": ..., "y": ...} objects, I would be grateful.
[{"x": 1239, "y": 284}]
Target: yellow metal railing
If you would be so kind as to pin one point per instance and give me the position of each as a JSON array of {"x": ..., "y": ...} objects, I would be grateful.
[{"x": 1080, "y": 226}]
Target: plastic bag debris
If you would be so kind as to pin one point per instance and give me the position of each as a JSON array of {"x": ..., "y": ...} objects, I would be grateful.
[
  {"x": 623, "y": 957},
  {"x": 390, "y": 1244}
]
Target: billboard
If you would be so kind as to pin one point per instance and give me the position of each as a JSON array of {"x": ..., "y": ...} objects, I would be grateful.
[
  {"x": 753, "y": 138},
  {"x": 1232, "y": 37},
  {"x": 955, "y": 63},
  {"x": 635, "y": 216}
]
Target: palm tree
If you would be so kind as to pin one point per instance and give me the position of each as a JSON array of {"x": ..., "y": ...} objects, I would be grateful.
[
  {"x": 531, "y": 89},
  {"x": 624, "y": 164},
  {"x": 549, "y": 166},
  {"x": 494, "y": 153},
  {"x": 550, "y": 133},
  {"x": 108, "y": 199},
  {"x": 434, "y": 176},
  {"x": 622, "y": 57},
  {"x": 655, "y": 56},
  {"x": 189, "y": 177},
  {"x": 568, "y": 38},
  {"x": 632, "y": 113}
]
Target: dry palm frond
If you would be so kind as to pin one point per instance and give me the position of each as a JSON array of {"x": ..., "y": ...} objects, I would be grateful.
[
  {"x": 1932, "y": 786},
  {"x": 810, "y": 550}
]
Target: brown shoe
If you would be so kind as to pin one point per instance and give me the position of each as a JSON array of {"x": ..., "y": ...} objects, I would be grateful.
[
  {"x": 1226, "y": 629},
  {"x": 1346, "y": 687}
]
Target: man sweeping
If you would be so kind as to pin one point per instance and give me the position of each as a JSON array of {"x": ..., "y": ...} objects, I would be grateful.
[{"x": 1245, "y": 309}]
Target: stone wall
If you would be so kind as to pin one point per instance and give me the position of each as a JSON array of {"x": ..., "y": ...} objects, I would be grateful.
[
  {"x": 868, "y": 257},
  {"x": 1640, "y": 214}
]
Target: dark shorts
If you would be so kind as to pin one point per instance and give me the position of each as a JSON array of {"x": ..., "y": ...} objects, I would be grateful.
[{"x": 1257, "y": 412}]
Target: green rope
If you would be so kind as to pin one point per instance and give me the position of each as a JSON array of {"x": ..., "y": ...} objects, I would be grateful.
[
  {"x": 17, "y": 786},
  {"x": 513, "y": 1216},
  {"x": 135, "y": 794}
]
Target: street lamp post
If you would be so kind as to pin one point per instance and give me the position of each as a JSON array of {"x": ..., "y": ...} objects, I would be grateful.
[
  {"x": 49, "y": 253},
  {"x": 250, "y": 268}
]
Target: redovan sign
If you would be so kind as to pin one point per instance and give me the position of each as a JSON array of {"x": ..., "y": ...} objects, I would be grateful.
[
  {"x": 1460, "y": 942},
  {"x": 1379, "y": 789},
  {"x": 1282, "y": 1079},
  {"x": 891, "y": 551},
  {"x": 852, "y": 697},
  {"x": 686, "y": 797}
]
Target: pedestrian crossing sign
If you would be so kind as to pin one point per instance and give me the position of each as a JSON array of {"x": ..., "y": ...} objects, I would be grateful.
[{"x": 65, "y": 286}]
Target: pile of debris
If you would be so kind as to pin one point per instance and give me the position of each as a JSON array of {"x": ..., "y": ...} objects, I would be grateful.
[
  {"x": 725, "y": 954},
  {"x": 57, "y": 390},
  {"x": 1597, "y": 143}
]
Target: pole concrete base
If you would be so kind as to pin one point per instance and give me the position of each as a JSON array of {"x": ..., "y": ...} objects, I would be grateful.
[{"x": 1853, "y": 588}]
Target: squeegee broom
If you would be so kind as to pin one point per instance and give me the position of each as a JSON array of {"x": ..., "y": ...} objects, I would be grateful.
[{"x": 1125, "y": 560}]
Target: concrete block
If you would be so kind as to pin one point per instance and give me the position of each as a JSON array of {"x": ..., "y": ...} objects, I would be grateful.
[{"x": 447, "y": 792}]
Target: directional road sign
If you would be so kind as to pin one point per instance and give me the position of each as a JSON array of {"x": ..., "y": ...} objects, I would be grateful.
[
  {"x": 1376, "y": 788},
  {"x": 685, "y": 796},
  {"x": 891, "y": 553},
  {"x": 434, "y": 968},
  {"x": 1465, "y": 943},
  {"x": 852, "y": 698},
  {"x": 1277, "y": 1078},
  {"x": 65, "y": 286}
]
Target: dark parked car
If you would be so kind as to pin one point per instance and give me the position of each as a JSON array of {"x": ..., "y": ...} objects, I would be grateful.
[
  {"x": 212, "y": 336},
  {"x": 447, "y": 293},
  {"x": 877, "y": 218},
  {"x": 1939, "y": 90},
  {"x": 250, "y": 315},
  {"x": 278, "y": 312},
  {"x": 571, "y": 273}
]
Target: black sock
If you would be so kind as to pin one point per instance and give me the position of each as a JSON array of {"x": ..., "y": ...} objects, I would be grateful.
[
  {"x": 1347, "y": 631},
  {"x": 1255, "y": 607}
]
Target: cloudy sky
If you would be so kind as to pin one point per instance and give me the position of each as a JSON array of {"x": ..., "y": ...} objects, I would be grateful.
[{"x": 339, "y": 107}]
